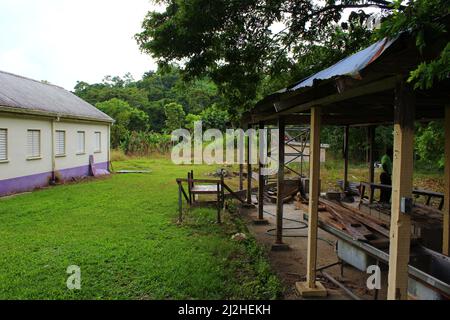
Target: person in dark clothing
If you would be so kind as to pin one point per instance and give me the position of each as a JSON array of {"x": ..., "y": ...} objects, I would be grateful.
[{"x": 385, "y": 176}]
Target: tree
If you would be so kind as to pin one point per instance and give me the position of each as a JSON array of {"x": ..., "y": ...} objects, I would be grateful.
[
  {"x": 190, "y": 121},
  {"x": 427, "y": 21},
  {"x": 175, "y": 116},
  {"x": 127, "y": 119},
  {"x": 430, "y": 140},
  {"x": 112, "y": 87},
  {"x": 151, "y": 93},
  {"x": 215, "y": 118},
  {"x": 233, "y": 42},
  {"x": 238, "y": 43}
]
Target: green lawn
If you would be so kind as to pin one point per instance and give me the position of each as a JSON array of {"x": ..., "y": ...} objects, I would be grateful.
[{"x": 122, "y": 232}]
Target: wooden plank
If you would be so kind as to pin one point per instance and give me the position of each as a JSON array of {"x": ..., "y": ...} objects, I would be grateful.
[
  {"x": 402, "y": 184},
  {"x": 351, "y": 229},
  {"x": 427, "y": 210},
  {"x": 280, "y": 180},
  {"x": 446, "y": 211},
  {"x": 314, "y": 177},
  {"x": 348, "y": 218},
  {"x": 234, "y": 194},
  {"x": 206, "y": 188},
  {"x": 327, "y": 218},
  {"x": 368, "y": 221},
  {"x": 184, "y": 193},
  {"x": 212, "y": 181}
]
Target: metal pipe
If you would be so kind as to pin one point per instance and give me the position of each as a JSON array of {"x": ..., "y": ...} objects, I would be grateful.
[
  {"x": 340, "y": 285},
  {"x": 329, "y": 266}
]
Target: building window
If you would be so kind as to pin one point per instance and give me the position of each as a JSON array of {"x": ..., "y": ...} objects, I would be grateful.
[
  {"x": 81, "y": 149},
  {"x": 60, "y": 143},
  {"x": 98, "y": 142},
  {"x": 34, "y": 144},
  {"x": 3, "y": 144}
]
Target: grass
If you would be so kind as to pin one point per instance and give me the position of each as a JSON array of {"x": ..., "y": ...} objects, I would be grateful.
[
  {"x": 333, "y": 170},
  {"x": 122, "y": 232}
]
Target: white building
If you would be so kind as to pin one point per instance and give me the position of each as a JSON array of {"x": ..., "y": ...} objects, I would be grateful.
[{"x": 47, "y": 134}]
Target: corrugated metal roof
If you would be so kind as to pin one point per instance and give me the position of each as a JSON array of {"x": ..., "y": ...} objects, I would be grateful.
[
  {"x": 31, "y": 96},
  {"x": 349, "y": 66}
]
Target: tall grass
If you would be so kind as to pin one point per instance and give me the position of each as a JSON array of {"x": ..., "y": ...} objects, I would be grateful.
[{"x": 146, "y": 144}]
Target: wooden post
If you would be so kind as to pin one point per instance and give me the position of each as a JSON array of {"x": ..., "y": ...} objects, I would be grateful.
[
  {"x": 241, "y": 159},
  {"x": 241, "y": 176},
  {"x": 280, "y": 179},
  {"x": 346, "y": 134},
  {"x": 402, "y": 184},
  {"x": 189, "y": 188},
  {"x": 312, "y": 287},
  {"x": 262, "y": 143},
  {"x": 279, "y": 245},
  {"x": 219, "y": 201},
  {"x": 249, "y": 169},
  {"x": 180, "y": 203},
  {"x": 446, "y": 212},
  {"x": 371, "y": 141}
]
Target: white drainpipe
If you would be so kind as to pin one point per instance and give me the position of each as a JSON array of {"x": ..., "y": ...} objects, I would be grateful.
[
  {"x": 108, "y": 141},
  {"x": 53, "y": 151}
]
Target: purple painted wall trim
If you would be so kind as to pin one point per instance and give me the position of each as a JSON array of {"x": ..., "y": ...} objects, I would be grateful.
[{"x": 28, "y": 183}]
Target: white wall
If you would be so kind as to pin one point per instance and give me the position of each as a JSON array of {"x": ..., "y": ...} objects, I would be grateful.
[
  {"x": 72, "y": 159},
  {"x": 18, "y": 165}
]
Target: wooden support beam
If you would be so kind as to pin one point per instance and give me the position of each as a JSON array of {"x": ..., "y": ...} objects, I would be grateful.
[
  {"x": 241, "y": 160},
  {"x": 346, "y": 134},
  {"x": 280, "y": 179},
  {"x": 291, "y": 104},
  {"x": 249, "y": 168},
  {"x": 446, "y": 212},
  {"x": 262, "y": 147},
  {"x": 314, "y": 177},
  {"x": 312, "y": 287},
  {"x": 402, "y": 186},
  {"x": 371, "y": 142},
  {"x": 241, "y": 176}
]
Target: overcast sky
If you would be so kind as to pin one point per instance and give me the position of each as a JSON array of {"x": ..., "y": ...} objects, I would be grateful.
[{"x": 63, "y": 41}]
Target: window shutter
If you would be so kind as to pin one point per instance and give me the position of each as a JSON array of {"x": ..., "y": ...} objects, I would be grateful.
[
  {"x": 34, "y": 143},
  {"x": 60, "y": 143},
  {"x": 3, "y": 144},
  {"x": 81, "y": 142},
  {"x": 98, "y": 142}
]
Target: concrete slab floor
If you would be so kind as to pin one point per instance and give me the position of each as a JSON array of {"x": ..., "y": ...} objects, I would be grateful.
[{"x": 290, "y": 265}]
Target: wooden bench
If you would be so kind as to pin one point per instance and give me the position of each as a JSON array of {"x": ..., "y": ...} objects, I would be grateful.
[
  {"x": 205, "y": 187},
  {"x": 417, "y": 192}
]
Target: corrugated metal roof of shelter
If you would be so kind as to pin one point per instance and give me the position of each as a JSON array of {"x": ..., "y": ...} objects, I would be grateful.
[
  {"x": 349, "y": 66},
  {"x": 34, "y": 97}
]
